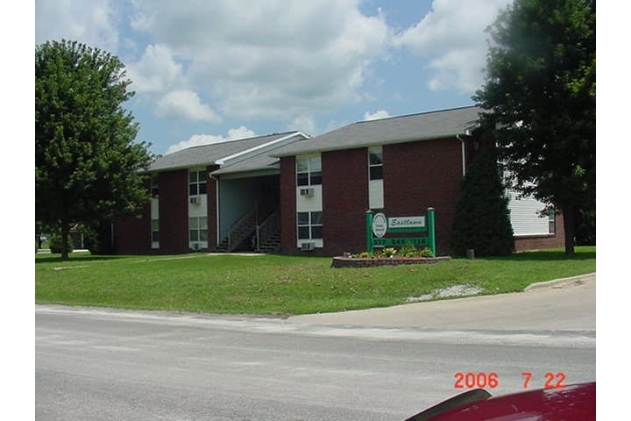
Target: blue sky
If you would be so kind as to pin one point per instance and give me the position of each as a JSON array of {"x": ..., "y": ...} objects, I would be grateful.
[{"x": 208, "y": 71}]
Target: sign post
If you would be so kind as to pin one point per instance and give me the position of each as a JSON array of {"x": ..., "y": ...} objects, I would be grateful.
[
  {"x": 369, "y": 244},
  {"x": 431, "y": 230}
]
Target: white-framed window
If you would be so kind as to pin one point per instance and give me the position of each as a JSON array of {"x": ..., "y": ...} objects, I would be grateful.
[
  {"x": 552, "y": 222},
  {"x": 196, "y": 182},
  {"x": 375, "y": 177},
  {"x": 309, "y": 171},
  {"x": 155, "y": 190},
  {"x": 309, "y": 225},
  {"x": 198, "y": 229},
  {"x": 155, "y": 213},
  {"x": 375, "y": 163},
  {"x": 155, "y": 231}
]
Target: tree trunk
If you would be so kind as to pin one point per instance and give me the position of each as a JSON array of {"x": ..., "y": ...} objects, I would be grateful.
[
  {"x": 568, "y": 226},
  {"x": 65, "y": 232}
]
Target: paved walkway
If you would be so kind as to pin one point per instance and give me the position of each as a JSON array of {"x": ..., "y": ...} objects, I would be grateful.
[{"x": 564, "y": 304}]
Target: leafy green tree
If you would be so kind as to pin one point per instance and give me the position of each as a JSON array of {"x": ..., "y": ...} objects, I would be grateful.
[
  {"x": 86, "y": 161},
  {"x": 541, "y": 90},
  {"x": 482, "y": 220}
]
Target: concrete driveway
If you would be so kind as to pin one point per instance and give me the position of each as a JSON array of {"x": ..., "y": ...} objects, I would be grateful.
[{"x": 566, "y": 304}]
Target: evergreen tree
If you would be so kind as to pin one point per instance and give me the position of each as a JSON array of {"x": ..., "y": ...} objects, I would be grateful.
[
  {"x": 482, "y": 220},
  {"x": 86, "y": 162}
]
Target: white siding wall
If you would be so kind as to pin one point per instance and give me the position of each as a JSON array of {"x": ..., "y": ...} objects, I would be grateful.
[
  {"x": 198, "y": 210},
  {"x": 525, "y": 218},
  {"x": 312, "y": 203},
  {"x": 155, "y": 214},
  {"x": 309, "y": 203},
  {"x": 375, "y": 194}
]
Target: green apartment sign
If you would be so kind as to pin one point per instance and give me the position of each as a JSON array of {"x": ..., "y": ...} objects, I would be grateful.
[{"x": 378, "y": 226}]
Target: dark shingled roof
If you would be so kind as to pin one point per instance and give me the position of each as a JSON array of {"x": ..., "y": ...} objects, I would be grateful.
[
  {"x": 408, "y": 128},
  {"x": 261, "y": 162},
  {"x": 210, "y": 154}
]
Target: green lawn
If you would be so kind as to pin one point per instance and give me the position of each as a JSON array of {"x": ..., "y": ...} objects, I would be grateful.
[{"x": 274, "y": 284}]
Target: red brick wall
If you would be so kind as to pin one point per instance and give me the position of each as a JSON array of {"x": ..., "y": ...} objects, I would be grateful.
[
  {"x": 424, "y": 174},
  {"x": 132, "y": 235},
  {"x": 288, "y": 204},
  {"x": 173, "y": 211},
  {"x": 344, "y": 200},
  {"x": 543, "y": 242},
  {"x": 416, "y": 175}
]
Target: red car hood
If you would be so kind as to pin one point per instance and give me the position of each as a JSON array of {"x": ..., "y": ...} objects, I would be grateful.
[{"x": 571, "y": 403}]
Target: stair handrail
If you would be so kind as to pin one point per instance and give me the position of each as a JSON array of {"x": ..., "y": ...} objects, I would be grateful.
[
  {"x": 267, "y": 228},
  {"x": 241, "y": 228}
]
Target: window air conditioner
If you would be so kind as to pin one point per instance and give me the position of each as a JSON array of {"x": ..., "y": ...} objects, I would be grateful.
[
  {"x": 310, "y": 246},
  {"x": 195, "y": 200},
  {"x": 196, "y": 246},
  {"x": 306, "y": 191}
]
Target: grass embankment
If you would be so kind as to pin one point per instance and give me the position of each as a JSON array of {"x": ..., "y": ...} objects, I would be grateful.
[{"x": 280, "y": 284}]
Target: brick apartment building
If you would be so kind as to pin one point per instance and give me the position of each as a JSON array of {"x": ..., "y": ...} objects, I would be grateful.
[
  {"x": 292, "y": 194},
  {"x": 193, "y": 207}
]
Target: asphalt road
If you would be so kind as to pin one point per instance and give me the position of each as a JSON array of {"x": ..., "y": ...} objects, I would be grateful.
[{"x": 96, "y": 364}]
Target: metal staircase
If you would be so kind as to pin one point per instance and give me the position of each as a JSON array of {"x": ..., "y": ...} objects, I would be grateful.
[
  {"x": 268, "y": 234},
  {"x": 247, "y": 234}
]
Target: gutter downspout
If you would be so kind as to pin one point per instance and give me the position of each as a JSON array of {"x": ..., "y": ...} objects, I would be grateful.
[
  {"x": 462, "y": 149},
  {"x": 217, "y": 218}
]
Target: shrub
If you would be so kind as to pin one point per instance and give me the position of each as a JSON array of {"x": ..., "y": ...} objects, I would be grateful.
[
  {"x": 98, "y": 238},
  {"x": 426, "y": 252},
  {"x": 388, "y": 252},
  {"x": 482, "y": 220},
  {"x": 55, "y": 244},
  {"x": 408, "y": 251}
]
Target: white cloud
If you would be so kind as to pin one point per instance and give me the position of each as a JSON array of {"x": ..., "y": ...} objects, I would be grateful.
[
  {"x": 156, "y": 71},
  {"x": 303, "y": 123},
  {"x": 240, "y": 133},
  {"x": 207, "y": 139},
  {"x": 277, "y": 58},
  {"x": 186, "y": 105},
  {"x": 88, "y": 22},
  {"x": 268, "y": 59},
  {"x": 453, "y": 37},
  {"x": 376, "y": 115}
]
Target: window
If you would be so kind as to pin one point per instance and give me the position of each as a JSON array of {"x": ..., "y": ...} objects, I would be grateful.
[
  {"x": 375, "y": 177},
  {"x": 155, "y": 230},
  {"x": 309, "y": 171},
  {"x": 309, "y": 225},
  {"x": 196, "y": 183},
  {"x": 551, "y": 222},
  {"x": 198, "y": 229},
  {"x": 155, "y": 191},
  {"x": 375, "y": 163}
]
